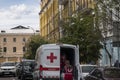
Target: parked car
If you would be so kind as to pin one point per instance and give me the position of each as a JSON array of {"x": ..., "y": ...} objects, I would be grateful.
[
  {"x": 8, "y": 68},
  {"x": 85, "y": 69},
  {"x": 24, "y": 69},
  {"x": 107, "y": 73}
]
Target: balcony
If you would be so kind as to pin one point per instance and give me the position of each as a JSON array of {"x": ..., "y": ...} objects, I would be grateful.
[{"x": 63, "y": 2}]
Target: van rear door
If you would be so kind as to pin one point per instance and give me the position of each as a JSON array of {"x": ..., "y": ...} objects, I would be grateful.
[{"x": 50, "y": 61}]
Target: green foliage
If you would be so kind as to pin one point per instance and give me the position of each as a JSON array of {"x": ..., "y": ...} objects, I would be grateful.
[
  {"x": 80, "y": 30},
  {"x": 33, "y": 43}
]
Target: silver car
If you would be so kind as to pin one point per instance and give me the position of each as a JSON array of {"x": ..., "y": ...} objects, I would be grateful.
[
  {"x": 85, "y": 69},
  {"x": 8, "y": 68},
  {"x": 105, "y": 73}
]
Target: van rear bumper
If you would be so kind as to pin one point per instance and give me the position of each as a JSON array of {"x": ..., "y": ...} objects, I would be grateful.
[{"x": 50, "y": 79}]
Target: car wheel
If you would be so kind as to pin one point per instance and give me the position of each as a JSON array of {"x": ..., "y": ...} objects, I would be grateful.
[
  {"x": 14, "y": 75},
  {"x": 18, "y": 77},
  {"x": 22, "y": 78},
  {"x": 80, "y": 78}
]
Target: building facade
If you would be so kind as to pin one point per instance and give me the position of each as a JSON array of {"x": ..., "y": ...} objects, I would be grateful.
[
  {"x": 12, "y": 43},
  {"x": 53, "y": 12},
  {"x": 49, "y": 19}
]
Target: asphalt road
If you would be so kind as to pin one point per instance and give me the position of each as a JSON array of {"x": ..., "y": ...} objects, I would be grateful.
[{"x": 8, "y": 78}]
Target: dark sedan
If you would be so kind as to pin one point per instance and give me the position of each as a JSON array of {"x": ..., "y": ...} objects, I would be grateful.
[
  {"x": 25, "y": 69},
  {"x": 106, "y": 73}
]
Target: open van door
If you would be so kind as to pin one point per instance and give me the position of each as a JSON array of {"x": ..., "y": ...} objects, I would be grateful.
[{"x": 77, "y": 64}]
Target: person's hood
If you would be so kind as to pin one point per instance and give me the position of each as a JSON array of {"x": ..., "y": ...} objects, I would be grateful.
[{"x": 112, "y": 78}]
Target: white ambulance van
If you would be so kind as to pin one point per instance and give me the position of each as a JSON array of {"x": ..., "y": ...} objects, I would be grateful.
[{"x": 48, "y": 61}]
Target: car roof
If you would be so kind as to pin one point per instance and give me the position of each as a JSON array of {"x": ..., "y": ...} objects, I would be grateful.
[
  {"x": 7, "y": 62},
  {"x": 27, "y": 60},
  {"x": 103, "y": 68},
  {"x": 112, "y": 68},
  {"x": 87, "y": 65}
]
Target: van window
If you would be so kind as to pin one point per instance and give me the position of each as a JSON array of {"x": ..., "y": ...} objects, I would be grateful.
[
  {"x": 97, "y": 73},
  {"x": 70, "y": 54},
  {"x": 37, "y": 56},
  {"x": 38, "y": 53},
  {"x": 87, "y": 68}
]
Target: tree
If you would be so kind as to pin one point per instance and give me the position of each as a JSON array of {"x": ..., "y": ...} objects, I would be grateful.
[
  {"x": 33, "y": 43},
  {"x": 108, "y": 12},
  {"x": 80, "y": 30}
]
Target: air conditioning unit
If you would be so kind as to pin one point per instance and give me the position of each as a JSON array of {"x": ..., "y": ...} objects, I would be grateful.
[{"x": 63, "y": 2}]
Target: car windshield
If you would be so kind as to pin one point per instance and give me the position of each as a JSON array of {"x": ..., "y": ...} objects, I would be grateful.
[
  {"x": 27, "y": 63},
  {"x": 112, "y": 73},
  {"x": 87, "y": 69},
  {"x": 8, "y": 64}
]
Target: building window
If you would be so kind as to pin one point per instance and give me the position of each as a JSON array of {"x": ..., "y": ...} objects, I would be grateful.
[
  {"x": 24, "y": 49},
  {"x": 4, "y": 49},
  {"x": 90, "y": 1},
  {"x": 24, "y": 39},
  {"x": 4, "y": 40},
  {"x": 14, "y": 49},
  {"x": 84, "y": 4},
  {"x": 14, "y": 39}
]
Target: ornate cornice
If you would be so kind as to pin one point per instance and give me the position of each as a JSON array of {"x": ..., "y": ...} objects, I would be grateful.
[{"x": 44, "y": 7}]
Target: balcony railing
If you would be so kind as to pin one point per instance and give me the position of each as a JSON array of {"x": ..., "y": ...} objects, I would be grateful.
[{"x": 62, "y": 2}]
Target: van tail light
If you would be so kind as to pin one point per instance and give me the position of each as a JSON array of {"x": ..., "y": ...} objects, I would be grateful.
[
  {"x": 40, "y": 70},
  {"x": 40, "y": 76}
]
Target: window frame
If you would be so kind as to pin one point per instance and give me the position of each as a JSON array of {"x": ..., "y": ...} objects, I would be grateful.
[
  {"x": 14, "y": 39},
  {"x": 4, "y": 49},
  {"x": 4, "y": 39},
  {"x": 14, "y": 49}
]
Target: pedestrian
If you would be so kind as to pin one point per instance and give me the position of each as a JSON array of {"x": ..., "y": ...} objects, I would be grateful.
[
  {"x": 117, "y": 64},
  {"x": 62, "y": 64},
  {"x": 68, "y": 71}
]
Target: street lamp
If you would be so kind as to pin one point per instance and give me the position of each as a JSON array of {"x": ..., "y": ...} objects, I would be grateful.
[{"x": 32, "y": 29}]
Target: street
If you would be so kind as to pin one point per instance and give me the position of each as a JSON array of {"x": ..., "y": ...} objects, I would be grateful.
[{"x": 8, "y": 78}]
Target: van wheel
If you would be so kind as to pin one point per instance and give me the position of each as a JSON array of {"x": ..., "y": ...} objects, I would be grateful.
[
  {"x": 18, "y": 77},
  {"x": 22, "y": 78},
  {"x": 14, "y": 75}
]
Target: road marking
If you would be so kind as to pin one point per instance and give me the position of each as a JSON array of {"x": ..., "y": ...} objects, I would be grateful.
[{"x": 13, "y": 79}]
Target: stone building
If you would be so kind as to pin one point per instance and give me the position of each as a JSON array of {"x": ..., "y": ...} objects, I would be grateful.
[
  {"x": 12, "y": 43},
  {"x": 54, "y": 11}
]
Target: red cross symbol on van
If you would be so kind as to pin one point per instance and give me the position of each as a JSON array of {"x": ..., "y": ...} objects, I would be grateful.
[{"x": 51, "y": 57}]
